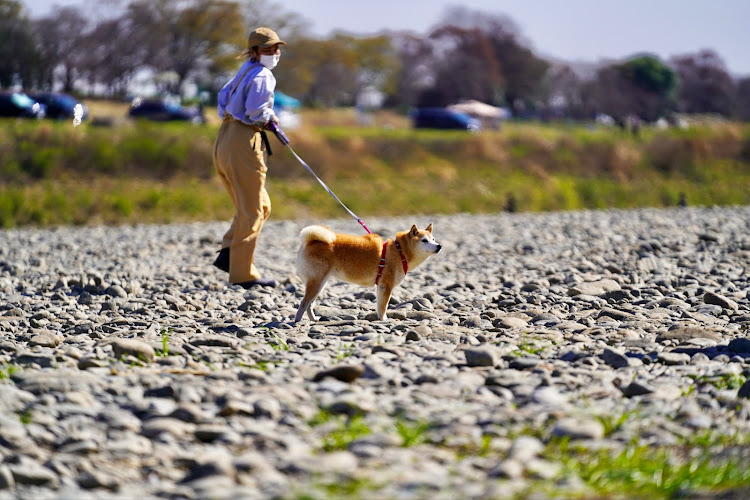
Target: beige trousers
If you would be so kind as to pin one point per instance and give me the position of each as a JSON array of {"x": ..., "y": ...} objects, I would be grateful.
[{"x": 240, "y": 161}]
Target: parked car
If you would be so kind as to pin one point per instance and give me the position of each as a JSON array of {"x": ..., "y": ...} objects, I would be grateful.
[
  {"x": 61, "y": 106},
  {"x": 19, "y": 105},
  {"x": 163, "y": 111},
  {"x": 444, "y": 118}
]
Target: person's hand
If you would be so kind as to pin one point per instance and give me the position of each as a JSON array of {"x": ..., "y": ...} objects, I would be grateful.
[{"x": 275, "y": 120}]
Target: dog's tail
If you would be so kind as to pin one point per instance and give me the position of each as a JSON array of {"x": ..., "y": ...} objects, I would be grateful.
[{"x": 316, "y": 233}]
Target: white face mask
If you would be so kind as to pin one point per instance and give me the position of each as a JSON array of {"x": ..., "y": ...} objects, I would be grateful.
[{"x": 270, "y": 62}]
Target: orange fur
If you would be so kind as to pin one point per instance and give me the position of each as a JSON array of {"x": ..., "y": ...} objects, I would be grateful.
[{"x": 324, "y": 254}]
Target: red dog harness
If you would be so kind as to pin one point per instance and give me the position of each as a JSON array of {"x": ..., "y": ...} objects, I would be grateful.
[{"x": 381, "y": 266}]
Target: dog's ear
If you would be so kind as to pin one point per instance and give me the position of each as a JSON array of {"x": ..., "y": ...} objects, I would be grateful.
[
  {"x": 414, "y": 230},
  {"x": 429, "y": 228}
]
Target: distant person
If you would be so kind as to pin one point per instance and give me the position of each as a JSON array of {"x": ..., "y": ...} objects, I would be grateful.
[
  {"x": 682, "y": 201},
  {"x": 510, "y": 204},
  {"x": 246, "y": 106}
]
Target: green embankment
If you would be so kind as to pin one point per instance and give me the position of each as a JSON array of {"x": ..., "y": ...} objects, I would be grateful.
[{"x": 53, "y": 173}]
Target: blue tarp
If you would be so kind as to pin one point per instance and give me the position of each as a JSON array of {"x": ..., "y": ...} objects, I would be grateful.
[{"x": 281, "y": 100}]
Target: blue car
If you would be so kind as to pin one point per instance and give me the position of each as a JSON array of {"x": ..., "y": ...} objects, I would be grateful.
[
  {"x": 443, "y": 118},
  {"x": 159, "y": 110},
  {"x": 62, "y": 106},
  {"x": 19, "y": 105}
]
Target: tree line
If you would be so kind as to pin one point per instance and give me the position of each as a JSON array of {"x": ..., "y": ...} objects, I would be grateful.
[{"x": 468, "y": 55}]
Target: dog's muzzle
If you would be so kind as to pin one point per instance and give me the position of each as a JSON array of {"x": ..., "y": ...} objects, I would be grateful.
[{"x": 438, "y": 248}]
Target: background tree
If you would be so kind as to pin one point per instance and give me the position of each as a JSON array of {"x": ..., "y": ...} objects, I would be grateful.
[
  {"x": 332, "y": 72},
  {"x": 564, "y": 93},
  {"x": 19, "y": 61},
  {"x": 186, "y": 37},
  {"x": 112, "y": 57},
  {"x": 654, "y": 85},
  {"x": 466, "y": 67},
  {"x": 332, "y": 69},
  {"x": 289, "y": 25},
  {"x": 376, "y": 59},
  {"x": 415, "y": 73},
  {"x": 60, "y": 41},
  {"x": 705, "y": 83},
  {"x": 479, "y": 56},
  {"x": 642, "y": 86},
  {"x": 742, "y": 100},
  {"x": 470, "y": 54}
]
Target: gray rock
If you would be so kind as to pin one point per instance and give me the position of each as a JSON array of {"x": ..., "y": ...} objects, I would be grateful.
[
  {"x": 46, "y": 340},
  {"x": 574, "y": 428},
  {"x": 683, "y": 333},
  {"x": 481, "y": 356},
  {"x": 744, "y": 391},
  {"x": 524, "y": 448},
  {"x": 509, "y": 322},
  {"x": 637, "y": 388},
  {"x": 510, "y": 328},
  {"x": 673, "y": 358},
  {"x": 30, "y": 473},
  {"x": 740, "y": 345},
  {"x": 90, "y": 480},
  {"x": 595, "y": 288},
  {"x": 508, "y": 469},
  {"x": 345, "y": 373},
  {"x": 615, "y": 358},
  {"x": 719, "y": 300},
  {"x": 7, "y": 481},
  {"x": 132, "y": 347},
  {"x": 116, "y": 291}
]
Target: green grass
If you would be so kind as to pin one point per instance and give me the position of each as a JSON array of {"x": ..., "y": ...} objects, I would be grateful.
[
  {"x": 54, "y": 174},
  {"x": 641, "y": 471},
  {"x": 722, "y": 382},
  {"x": 340, "y": 431},
  {"x": 7, "y": 371},
  {"x": 164, "y": 342},
  {"x": 412, "y": 433},
  {"x": 705, "y": 462},
  {"x": 25, "y": 417}
]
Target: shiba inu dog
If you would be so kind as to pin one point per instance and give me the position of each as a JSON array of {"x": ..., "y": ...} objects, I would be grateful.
[{"x": 362, "y": 260}]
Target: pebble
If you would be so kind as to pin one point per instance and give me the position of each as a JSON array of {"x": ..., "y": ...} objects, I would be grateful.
[{"x": 130, "y": 369}]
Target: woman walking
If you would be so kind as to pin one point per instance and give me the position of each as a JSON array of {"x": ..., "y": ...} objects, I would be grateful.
[{"x": 246, "y": 107}]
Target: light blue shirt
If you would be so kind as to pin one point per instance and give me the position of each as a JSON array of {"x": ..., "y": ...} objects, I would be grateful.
[{"x": 252, "y": 102}]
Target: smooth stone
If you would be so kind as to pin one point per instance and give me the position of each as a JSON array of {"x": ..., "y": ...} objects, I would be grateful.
[
  {"x": 135, "y": 348},
  {"x": 684, "y": 333},
  {"x": 744, "y": 391},
  {"x": 574, "y": 428},
  {"x": 595, "y": 288},
  {"x": 481, "y": 356},
  {"x": 719, "y": 300},
  {"x": 673, "y": 358},
  {"x": 615, "y": 358},
  {"x": 345, "y": 373},
  {"x": 637, "y": 388},
  {"x": 740, "y": 345}
]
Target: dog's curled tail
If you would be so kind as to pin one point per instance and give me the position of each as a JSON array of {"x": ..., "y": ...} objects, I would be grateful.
[{"x": 316, "y": 233}]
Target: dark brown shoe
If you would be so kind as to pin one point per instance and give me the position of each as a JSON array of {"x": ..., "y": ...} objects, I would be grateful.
[
  {"x": 222, "y": 261},
  {"x": 259, "y": 282}
]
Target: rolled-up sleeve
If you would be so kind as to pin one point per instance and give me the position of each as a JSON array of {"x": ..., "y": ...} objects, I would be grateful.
[{"x": 259, "y": 100}]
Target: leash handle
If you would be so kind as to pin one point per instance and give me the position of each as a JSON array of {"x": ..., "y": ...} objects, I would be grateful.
[{"x": 280, "y": 135}]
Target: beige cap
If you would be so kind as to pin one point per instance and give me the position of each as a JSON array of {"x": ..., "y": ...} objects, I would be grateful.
[{"x": 263, "y": 37}]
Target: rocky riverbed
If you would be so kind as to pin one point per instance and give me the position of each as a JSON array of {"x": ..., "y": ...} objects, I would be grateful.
[{"x": 130, "y": 369}]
